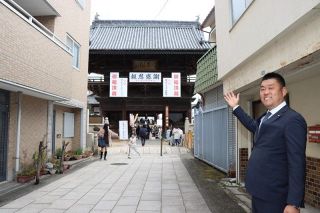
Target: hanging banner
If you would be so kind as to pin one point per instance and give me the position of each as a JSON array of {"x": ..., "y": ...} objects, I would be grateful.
[
  {"x": 145, "y": 77},
  {"x": 172, "y": 86},
  {"x": 118, "y": 86},
  {"x": 123, "y": 130}
]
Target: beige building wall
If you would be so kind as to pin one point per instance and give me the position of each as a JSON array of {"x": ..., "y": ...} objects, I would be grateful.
[
  {"x": 30, "y": 58},
  {"x": 74, "y": 142},
  {"x": 75, "y": 22},
  {"x": 33, "y": 129},
  {"x": 303, "y": 99},
  {"x": 263, "y": 42},
  {"x": 260, "y": 43}
]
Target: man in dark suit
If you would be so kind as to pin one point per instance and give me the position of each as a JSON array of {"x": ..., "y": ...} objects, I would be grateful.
[{"x": 276, "y": 169}]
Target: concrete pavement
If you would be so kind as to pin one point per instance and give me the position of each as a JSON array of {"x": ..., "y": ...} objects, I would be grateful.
[{"x": 142, "y": 184}]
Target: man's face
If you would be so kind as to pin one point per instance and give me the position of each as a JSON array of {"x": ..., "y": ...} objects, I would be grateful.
[{"x": 272, "y": 93}]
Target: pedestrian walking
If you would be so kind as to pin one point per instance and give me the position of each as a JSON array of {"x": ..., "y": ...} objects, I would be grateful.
[
  {"x": 176, "y": 136},
  {"x": 133, "y": 145},
  {"x": 102, "y": 143},
  {"x": 106, "y": 139},
  {"x": 143, "y": 134},
  {"x": 276, "y": 168}
]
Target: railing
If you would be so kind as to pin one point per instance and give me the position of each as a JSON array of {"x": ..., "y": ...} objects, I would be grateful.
[
  {"x": 207, "y": 71},
  {"x": 93, "y": 79},
  {"x": 35, "y": 23}
]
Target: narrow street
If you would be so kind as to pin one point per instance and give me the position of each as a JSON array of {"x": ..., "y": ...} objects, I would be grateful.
[{"x": 149, "y": 183}]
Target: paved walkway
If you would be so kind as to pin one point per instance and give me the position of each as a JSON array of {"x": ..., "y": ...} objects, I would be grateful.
[
  {"x": 142, "y": 184},
  {"x": 146, "y": 184}
]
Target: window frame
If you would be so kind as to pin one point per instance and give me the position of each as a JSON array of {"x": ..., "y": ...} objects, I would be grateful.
[
  {"x": 247, "y": 4},
  {"x": 68, "y": 125},
  {"x": 74, "y": 45},
  {"x": 81, "y": 3}
]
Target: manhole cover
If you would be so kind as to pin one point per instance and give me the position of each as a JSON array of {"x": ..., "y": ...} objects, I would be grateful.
[{"x": 118, "y": 164}]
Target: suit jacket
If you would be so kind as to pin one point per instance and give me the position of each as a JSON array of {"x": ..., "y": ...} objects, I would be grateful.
[{"x": 276, "y": 167}]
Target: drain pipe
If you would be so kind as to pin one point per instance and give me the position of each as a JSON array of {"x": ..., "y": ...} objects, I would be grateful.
[{"x": 19, "y": 97}]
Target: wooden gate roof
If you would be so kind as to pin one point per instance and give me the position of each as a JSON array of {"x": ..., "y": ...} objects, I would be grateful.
[{"x": 125, "y": 37}]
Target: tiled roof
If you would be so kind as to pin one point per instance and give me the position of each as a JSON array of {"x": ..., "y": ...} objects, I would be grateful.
[{"x": 111, "y": 35}]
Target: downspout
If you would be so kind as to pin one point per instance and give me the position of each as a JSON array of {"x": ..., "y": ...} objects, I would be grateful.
[
  {"x": 83, "y": 116},
  {"x": 49, "y": 129},
  {"x": 17, "y": 167}
]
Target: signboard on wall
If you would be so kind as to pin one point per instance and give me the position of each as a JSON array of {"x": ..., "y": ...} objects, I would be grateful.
[
  {"x": 123, "y": 130},
  {"x": 144, "y": 65},
  {"x": 172, "y": 86},
  {"x": 145, "y": 77},
  {"x": 118, "y": 86}
]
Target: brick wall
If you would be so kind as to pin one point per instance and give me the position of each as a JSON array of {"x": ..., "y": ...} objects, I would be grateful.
[
  {"x": 312, "y": 195},
  {"x": 243, "y": 162}
]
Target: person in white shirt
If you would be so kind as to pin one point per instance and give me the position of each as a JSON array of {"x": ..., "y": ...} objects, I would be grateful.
[
  {"x": 176, "y": 136},
  {"x": 133, "y": 144}
]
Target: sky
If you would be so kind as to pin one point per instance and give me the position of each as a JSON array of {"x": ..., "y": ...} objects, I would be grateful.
[{"x": 178, "y": 10}]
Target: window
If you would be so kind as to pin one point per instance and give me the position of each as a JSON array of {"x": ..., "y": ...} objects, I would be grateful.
[
  {"x": 68, "y": 125},
  {"x": 75, "y": 50},
  {"x": 81, "y": 3},
  {"x": 238, "y": 8}
]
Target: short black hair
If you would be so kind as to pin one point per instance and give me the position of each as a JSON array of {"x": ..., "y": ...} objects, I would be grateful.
[{"x": 273, "y": 75}]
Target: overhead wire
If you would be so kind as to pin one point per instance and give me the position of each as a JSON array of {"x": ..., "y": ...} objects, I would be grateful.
[{"x": 162, "y": 8}]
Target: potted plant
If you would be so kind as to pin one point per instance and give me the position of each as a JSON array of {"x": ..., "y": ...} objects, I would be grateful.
[
  {"x": 78, "y": 154},
  {"x": 27, "y": 174},
  {"x": 58, "y": 153}
]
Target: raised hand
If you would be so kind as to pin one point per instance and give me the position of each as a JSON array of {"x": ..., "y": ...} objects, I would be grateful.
[{"x": 232, "y": 99}]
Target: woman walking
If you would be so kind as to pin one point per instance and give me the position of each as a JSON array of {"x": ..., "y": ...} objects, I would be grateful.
[
  {"x": 103, "y": 141},
  {"x": 106, "y": 138}
]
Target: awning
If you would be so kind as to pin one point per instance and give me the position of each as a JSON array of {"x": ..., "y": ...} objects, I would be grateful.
[{"x": 16, "y": 87}]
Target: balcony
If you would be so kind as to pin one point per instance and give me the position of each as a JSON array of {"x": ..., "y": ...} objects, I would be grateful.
[{"x": 36, "y": 7}]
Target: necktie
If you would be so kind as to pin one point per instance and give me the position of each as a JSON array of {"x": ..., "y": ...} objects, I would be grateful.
[{"x": 265, "y": 117}]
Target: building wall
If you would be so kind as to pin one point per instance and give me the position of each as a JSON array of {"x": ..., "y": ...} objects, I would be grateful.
[
  {"x": 257, "y": 38},
  {"x": 243, "y": 163},
  {"x": 12, "y": 128},
  {"x": 313, "y": 182},
  {"x": 75, "y": 22},
  {"x": 30, "y": 58},
  {"x": 47, "y": 21},
  {"x": 59, "y": 127},
  {"x": 302, "y": 99},
  {"x": 33, "y": 129}
]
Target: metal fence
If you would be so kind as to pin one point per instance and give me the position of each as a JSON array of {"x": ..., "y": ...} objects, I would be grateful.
[{"x": 212, "y": 138}]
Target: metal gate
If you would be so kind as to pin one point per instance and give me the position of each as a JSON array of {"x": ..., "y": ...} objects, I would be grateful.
[
  {"x": 213, "y": 142},
  {"x": 4, "y": 110}
]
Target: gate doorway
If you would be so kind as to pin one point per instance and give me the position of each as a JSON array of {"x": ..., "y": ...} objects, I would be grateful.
[{"x": 4, "y": 110}]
